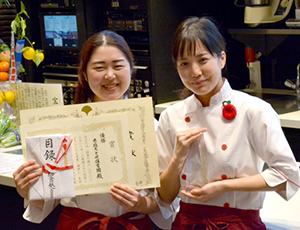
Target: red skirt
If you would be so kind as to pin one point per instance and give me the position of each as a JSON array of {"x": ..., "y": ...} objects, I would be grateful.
[
  {"x": 195, "y": 216},
  {"x": 75, "y": 218}
]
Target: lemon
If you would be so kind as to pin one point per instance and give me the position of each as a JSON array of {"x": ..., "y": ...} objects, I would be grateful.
[
  {"x": 9, "y": 97},
  {"x": 1, "y": 99},
  {"x": 39, "y": 56},
  {"x": 28, "y": 53}
]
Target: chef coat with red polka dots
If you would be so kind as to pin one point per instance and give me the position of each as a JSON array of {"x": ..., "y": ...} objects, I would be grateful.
[{"x": 230, "y": 148}]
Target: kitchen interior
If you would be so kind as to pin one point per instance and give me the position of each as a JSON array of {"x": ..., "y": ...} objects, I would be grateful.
[{"x": 262, "y": 36}]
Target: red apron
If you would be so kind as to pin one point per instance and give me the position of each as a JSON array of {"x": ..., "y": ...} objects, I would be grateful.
[
  {"x": 78, "y": 219},
  {"x": 195, "y": 216}
]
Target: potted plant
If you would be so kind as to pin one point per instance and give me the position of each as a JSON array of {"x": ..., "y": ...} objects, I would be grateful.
[{"x": 18, "y": 26}]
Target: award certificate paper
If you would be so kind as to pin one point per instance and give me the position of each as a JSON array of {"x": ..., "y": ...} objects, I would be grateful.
[
  {"x": 117, "y": 138},
  {"x": 35, "y": 95},
  {"x": 100, "y": 149}
]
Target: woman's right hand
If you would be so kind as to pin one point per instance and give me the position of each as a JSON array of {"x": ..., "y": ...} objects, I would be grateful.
[
  {"x": 25, "y": 176},
  {"x": 184, "y": 140},
  {"x": 170, "y": 178}
]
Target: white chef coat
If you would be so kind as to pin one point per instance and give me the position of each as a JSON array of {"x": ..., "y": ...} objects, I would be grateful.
[
  {"x": 37, "y": 211},
  {"x": 232, "y": 148}
]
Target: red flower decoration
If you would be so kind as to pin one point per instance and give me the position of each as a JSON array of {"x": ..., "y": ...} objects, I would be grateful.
[{"x": 229, "y": 111}]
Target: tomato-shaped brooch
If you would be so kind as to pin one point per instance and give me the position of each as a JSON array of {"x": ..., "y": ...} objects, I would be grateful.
[{"x": 229, "y": 111}]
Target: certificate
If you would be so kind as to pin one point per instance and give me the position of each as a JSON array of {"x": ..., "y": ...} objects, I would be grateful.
[
  {"x": 101, "y": 150},
  {"x": 133, "y": 122},
  {"x": 35, "y": 95}
]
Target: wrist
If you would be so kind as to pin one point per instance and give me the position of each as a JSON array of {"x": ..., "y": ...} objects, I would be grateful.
[
  {"x": 177, "y": 163},
  {"x": 147, "y": 205},
  {"x": 141, "y": 207},
  {"x": 225, "y": 185}
]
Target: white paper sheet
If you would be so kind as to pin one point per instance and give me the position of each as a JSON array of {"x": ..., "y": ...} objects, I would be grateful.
[{"x": 10, "y": 162}]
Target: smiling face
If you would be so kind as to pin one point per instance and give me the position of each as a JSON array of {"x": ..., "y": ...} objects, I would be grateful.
[
  {"x": 108, "y": 73},
  {"x": 201, "y": 72}
]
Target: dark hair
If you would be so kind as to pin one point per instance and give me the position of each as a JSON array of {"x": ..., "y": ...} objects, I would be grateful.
[
  {"x": 108, "y": 38},
  {"x": 192, "y": 31}
]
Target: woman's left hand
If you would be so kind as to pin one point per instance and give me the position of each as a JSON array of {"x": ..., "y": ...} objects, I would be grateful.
[
  {"x": 128, "y": 198},
  {"x": 205, "y": 193}
]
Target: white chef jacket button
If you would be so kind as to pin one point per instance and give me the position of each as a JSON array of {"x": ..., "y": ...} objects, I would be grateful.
[
  {"x": 224, "y": 147},
  {"x": 224, "y": 177},
  {"x": 226, "y": 205},
  {"x": 183, "y": 176},
  {"x": 187, "y": 119}
]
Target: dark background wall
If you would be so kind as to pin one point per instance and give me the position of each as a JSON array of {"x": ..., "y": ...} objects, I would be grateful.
[
  {"x": 163, "y": 18},
  {"x": 12, "y": 209}
]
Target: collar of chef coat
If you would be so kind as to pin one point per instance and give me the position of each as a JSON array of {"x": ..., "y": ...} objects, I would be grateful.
[{"x": 216, "y": 99}]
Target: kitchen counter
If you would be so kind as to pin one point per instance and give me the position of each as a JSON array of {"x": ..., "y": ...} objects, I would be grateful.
[
  {"x": 7, "y": 179},
  {"x": 290, "y": 120},
  {"x": 11, "y": 159}
]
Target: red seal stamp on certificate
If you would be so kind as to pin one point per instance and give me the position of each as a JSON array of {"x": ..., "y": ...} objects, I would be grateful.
[{"x": 229, "y": 111}]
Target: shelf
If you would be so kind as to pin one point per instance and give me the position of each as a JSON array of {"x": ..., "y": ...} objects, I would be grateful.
[
  {"x": 262, "y": 40},
  {"x": 264, "y": 31}
]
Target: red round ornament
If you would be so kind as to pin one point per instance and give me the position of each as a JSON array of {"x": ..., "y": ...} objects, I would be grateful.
[{"x": 229, "y": 111}]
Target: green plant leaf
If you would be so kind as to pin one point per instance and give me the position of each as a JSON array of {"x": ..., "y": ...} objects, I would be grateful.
[
  {"x": 37, "y": 59},
  {"x": 25, "y": 48},
  {"x": 26, "y": 14},
  {"x": 14, "y": 26},
  {"x": 21, "y": 70},
  {"x": 22, "y": 7},
  {"x": 4, "y": 47},
  {"x": 23, "y": 11},
  {"x": 23, "y": 27},
  {"x": 17, "y": 19}
]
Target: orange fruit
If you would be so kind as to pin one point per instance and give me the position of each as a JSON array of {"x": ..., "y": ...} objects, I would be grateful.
[
  {"x": 5, "y": 55},
  {"x": 4, "y": 76},
  {"x": 4, "y": 66}
]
